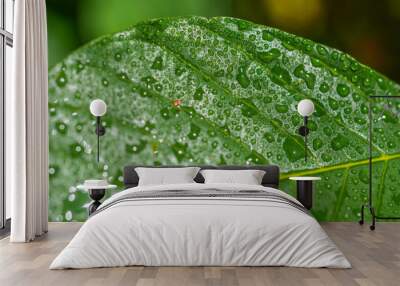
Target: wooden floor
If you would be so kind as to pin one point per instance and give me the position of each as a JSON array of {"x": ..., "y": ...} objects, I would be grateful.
[{"x": 375, "y": 257}]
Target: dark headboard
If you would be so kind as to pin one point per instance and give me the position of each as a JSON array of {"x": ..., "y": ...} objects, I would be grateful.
[{"x": 270, "y": 179}]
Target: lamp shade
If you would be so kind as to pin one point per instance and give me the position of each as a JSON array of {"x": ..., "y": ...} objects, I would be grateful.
[
  {"x": 98, "y": 107},
  {"x": 305, "y": 107}
]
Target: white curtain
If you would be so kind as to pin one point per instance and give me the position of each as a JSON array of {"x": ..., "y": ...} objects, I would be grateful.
[{"x": 26, "y": 124}]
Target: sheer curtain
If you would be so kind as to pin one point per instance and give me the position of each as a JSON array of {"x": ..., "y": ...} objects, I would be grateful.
[{"x": 26, "y": 124}]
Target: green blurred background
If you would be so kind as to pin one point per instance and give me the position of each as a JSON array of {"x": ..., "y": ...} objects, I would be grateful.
[{"x": 369, "y": 30}]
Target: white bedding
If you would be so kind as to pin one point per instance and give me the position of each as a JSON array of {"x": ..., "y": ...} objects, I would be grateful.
[{"x": 200, "y": 231}]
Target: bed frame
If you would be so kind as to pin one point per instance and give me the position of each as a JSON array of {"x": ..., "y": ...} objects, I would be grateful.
[{"x": 270, "y": 179}]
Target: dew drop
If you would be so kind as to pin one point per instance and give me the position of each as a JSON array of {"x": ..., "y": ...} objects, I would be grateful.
[
  {"x": 354, "y": 78},
  {"x": 339, "y": 142},
  {"x": 71, "y": 197},
  {"x": 68, "y": 215},
  {"x": 61, "y": 79},
  {"x": 76, "y": 149},
  {"x": 211, "y": 133},
  {"x": 255, "y": 158},
  {"x": 316, "y": 63},
  {"x": 333, "y": 103},
  {"x": 364, "y": 108},
  {"x": 326, "y": 158},
  {"x": 322, "y": 50},
  {"x": 136, "y": 148},
  {"x": 282, "y": 76},
  {"x": 267, "y": 99},
  {"x": 257, "y": 84},
  {"x": 348, "y": 110},
  {"x": 157, "y": 63},
  {"x": 179, "y": 150},
  {"x": 309, "y": 47},
  {"x": 53, "y": 111},
  {"x": 269, "y": 137},
  {"x": 117, "y": 56},
  {"x": 158, "y": 87},
  {"x": 79, "y": 66},
  {"x": 242, "y": 77},
  {"x": 324, "y": 87},
  {"x": 61, "y": 127},
  {"x": 317, "y": 143},
  {"x": 266, "y": 36},
  {"x": 367, "y": 82},
  {"x": 293, "y": 150},
  {"x": 143, "y": 93},
  {"x": 360, "y": 120},
  {"x": 354, "y": 66},
  {"x": 52, "y": 171},
  {"x": 194, "y": 132},
  {"x": 165, "y": 113},
  {"x": 308, "y": 77},
  {"x": 149, "y": 80},
  {"x": 288, "y": 45},
  {"x": 179, "y": 71},
  {"x": 243, "y": 25},
  {"x": 270, "y": 55},
  {"x": 123, "y": 76},
  {"x": 343, "y": 90},
  {"x": 198, "y": 94},
  {"x": 104, "y": 82},
  {"x": 248, "y": 108},
  {"x": 281, "y": 108}
]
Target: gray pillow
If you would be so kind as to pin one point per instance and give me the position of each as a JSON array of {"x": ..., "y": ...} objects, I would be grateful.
[
  {"x": 247, "y": 177},
  {"x": 166, "y": 176}
]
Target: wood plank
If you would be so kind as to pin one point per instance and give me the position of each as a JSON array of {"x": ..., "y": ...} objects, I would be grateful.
[{"x": 375, "y": 257}]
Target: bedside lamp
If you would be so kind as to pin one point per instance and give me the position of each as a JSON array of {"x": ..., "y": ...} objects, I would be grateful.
[
  {"x": 98, "y": 108},
  {"x": 305, "y": 109}
]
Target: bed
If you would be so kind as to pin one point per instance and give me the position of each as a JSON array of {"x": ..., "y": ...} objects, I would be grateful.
[{"x": 198, "y": 224}]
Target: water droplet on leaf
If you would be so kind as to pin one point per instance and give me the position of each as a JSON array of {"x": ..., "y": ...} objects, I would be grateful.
[
  {"x": 104, "y": 82},
  {"x": 61, "y": 79},
  {"x": 198, "y": 94},
  {"x": 157, "y": 63},
  {"x": 339, "y": 142},
  {"x": 242, "y": 78},
  {"x": 293, "y": 150},
  {"x": 343, "y": 90}
]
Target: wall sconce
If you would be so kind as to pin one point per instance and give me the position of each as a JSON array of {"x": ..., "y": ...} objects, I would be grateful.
[
  {"x": 98, "y": 108},
  {"x": 305, "y": 109}
]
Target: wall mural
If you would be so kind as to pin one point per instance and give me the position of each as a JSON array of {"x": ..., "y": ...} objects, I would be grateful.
[{"x": 193, "y": 90}]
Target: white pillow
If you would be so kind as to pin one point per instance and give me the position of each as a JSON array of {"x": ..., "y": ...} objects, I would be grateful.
[
  {"x": 248, "y": 177},
  {"x": 165, "y": 176}
]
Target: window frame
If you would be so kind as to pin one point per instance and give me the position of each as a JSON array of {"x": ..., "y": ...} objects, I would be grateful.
[{"x": 6, "y": 39}]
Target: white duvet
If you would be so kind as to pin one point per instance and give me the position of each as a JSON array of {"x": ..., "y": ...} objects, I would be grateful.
[{"x": 200, "y": 231}]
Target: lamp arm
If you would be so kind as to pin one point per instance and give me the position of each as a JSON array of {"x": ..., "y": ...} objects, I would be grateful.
[
  {"x": 305, "y": 138},
  {"x": 100, "y": 131}
]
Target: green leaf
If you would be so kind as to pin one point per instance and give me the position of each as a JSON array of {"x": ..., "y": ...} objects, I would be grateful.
[
  {"x": 116, "y": 15},
  {"x": 194, "y": 90}
]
